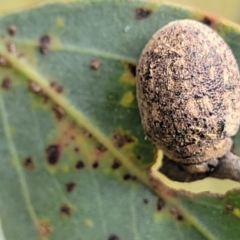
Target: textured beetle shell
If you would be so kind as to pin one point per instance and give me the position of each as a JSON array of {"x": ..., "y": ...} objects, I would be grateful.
[{"x": 188, "y": 91}]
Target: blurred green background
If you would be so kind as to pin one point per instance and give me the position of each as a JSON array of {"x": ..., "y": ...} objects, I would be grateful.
[{"x": 228, "y": 9}]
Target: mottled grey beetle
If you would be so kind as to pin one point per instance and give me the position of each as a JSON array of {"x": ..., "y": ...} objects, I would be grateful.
[{"x": 188, "y": 91}]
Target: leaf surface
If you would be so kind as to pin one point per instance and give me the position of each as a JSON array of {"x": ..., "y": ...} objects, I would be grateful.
[{"x": 73, "y": 156}]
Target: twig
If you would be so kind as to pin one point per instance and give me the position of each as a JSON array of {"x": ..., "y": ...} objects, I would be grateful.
[{"x": 228, "y": 168}]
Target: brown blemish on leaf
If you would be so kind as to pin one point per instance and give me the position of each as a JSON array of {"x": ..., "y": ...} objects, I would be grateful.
[
  {"x": 58, "y": 111},
  {"x": 100, "y": 148},
  {"x": 70, "y": 186},
  {"x": 145, "y": 201},
  {"x": 57, "y": 87},
  {"x": 95, "y": 64},
  {"x": 208, "y": 21},
  {"x": 129, "y": 74},
  {"x": 76, "y": 149},
  {"x": 79, "y": 164},
  {"x": 35, "y": 88},
  {"x": 132, "y": 68},
  {"x": 113, "y": 237},
  {"x": 142, "y": 13},
  {"x": 6, "y": 83},
  {"x": 28, "y": 163},
  {"x": 85, "y": 133},
  {"x": 11, "y": 47},
  {"x": 134, "y": 178},
  {"x": 127, "y": 176},
  {"x": 44, "y": 229},
  {"x": 95, "y": 165},
  {"x": 53, "y": 154},
  {"x": 44, "y": 44},
  {"x": 65, "y": 210},
  {"x": 4, "y": 62},
  {"x": 12, "y": 29},
  {"x": 160, "y": 204},
  {"x": 175, "y": 213},
  {"x": 229, "y": 207},
  {"x": 116, "y": 164},
  {"x": 120, "y": 139}
]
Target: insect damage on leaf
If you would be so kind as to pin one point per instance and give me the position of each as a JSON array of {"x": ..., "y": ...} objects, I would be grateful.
[
  {"x": 28, "y": 163},
  {"x": 116, "y": 164},
  {"x": 58, "y": 111},
  {"x": 142, "y": 13},
  {"x": 44, "y": 44},
  {"x": 4, "y": 62},
  {"x": 70, "y": 186},
  {"x": 79, "y": 164},
  {"x": 44, "y": 228},
  {"x": 120, "y": 139},
  {"x": 160, "y": 204},
  {"x": 11, "y": 47},
  {"x": 113, "y": 237},
  {"x": 229, "y": 207},
  {"x": 145, "y": 201},
  {"x": 53, "y": 154},
  {"x": 65, "y": 209},
  {"x": 56, "y": 86},
  {"x": 12, "y": 29},
  {"x": 176, "y": 214},
  {"x": 95, "y": 64},
  {"x": 95, "y": 165},
  {"x": 132, "y": 68},
  {"x": 207, "y": 21},
  {"x": 6, "y": 83}
]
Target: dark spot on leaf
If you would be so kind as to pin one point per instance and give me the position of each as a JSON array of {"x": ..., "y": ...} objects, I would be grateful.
[
  {"x": 57, "y": 87},
  {"x": 35, "y": 88},
  {"x": 86, "y": 133},
  {"x": 95, "y": 165},
  {"x": 6, "y": 83},
  {"x": 176, "y": 214},
  {"x": 119, "y": 140},
  {"x": 116, "y": 164},
  {"x": 73, "y": 137},
  {"x": 100, "y": 148},
  {"x": 53, "y": 154},
  {"x": 160, "y": 204},
  {"x": 76, "y": 149},
  {"x": 11, "y": 47},
  {"x": 58, "y": 111},
  {"x": 70, "y": 186},
  {"x": 229, "y": 207},
  {"x": 79, "y": 164},
  {"x": 134, "y": 178},
  {"x": 65, "y": 209},
  {"x": 28, "y": 163},
  {"x": 44, "y": 44},
  {"x": 95, "y": 64},
  {"x": 44, "y": 229},
  {"x": 113, "y": 237},
  {"x": 12, "y": 29},
  {"x": 132, "y": 68},
  {"x": 4, "y": 62},
  {"x": 126, "y": 176},
  {"x": 145, "y": 201},
  {"x": 142, "y": 13},
  {"x": 207, "y": 21}
]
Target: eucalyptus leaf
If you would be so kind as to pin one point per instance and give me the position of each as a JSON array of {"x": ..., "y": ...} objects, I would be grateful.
[{"x": 74, "y": 162}]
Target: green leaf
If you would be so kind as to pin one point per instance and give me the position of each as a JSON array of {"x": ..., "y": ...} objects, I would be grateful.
[{"x": 74, "y": 162}]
